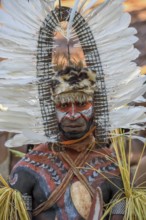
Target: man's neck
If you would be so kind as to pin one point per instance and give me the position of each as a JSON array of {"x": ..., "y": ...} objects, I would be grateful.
[{"x": 74, "y": 149}]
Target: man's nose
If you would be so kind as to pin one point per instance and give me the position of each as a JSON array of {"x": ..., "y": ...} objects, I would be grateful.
[
  {"x": 73, "y": 116},
  {"x": 72, "y": 110},
  {"x": 72, "y": 113}
]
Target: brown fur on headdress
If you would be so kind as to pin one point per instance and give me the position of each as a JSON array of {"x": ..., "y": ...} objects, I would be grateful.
[{"x": 74, "y": 83}]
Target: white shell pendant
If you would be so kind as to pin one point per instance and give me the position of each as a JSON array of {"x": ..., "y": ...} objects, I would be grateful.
[{"x": 81, "y": 199}]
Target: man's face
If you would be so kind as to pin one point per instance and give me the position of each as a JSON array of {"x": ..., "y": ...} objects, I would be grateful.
[{"x": 74, "y": 119}]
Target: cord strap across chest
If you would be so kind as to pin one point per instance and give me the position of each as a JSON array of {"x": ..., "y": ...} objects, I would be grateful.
[{"x": 60, "y": 190}]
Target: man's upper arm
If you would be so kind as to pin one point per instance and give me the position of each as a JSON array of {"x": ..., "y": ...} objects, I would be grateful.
[
  {"x": 22, "y": 180},
  {"x": 117, "y": 187},
  {"x": 110, "y": 190}
]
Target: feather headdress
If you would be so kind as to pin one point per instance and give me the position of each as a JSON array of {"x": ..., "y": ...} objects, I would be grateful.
[{"x": 27, "y": 33}]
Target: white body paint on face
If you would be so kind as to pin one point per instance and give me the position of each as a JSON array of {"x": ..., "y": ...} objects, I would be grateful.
[
  {"x": 60, "y": 115},
  {"x": 73, "y": 113}
]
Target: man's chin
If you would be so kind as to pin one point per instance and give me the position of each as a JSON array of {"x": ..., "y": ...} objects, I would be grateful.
[{"x": 73, "y": 135}]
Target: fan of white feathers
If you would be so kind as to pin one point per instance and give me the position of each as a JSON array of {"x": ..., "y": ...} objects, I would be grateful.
[{"x": 20, "y": 22}]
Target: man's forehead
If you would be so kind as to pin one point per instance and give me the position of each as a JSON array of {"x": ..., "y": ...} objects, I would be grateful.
[{"x": 74, "y": 103}]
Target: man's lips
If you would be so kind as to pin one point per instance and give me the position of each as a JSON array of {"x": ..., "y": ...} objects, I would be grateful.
[
  {"x": 73, "y": 129},
  {"x": 73, "y": 126}
]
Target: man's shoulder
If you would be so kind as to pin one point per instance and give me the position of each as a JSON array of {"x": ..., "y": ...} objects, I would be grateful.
[
  {"x": 42, "y": 147},
  {"x": 36, "y": 158},
  {"x": 38, "y": 151}
]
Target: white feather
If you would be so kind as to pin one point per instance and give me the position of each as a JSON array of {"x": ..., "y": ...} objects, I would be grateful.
[
  {"x": 89, "y": 5},
  {"x": 23, "y": 12},
  {"x": 83, "y": 2},
  {"x": 114, "y": 30},
  {"x": 92, "y": 13},
  {"x": 17, "y": 68},
  {"x": 111, "y": 10},
  {"x": 140, "y": 99},
  {"x": 38, "y": 10},
  {"x": 30, "y": 138},
  {"x": 122, "y": 98},
  {"x": 129, "y": 117},
  {"x": 70, "y": 23},
  {"x": 7, "y": 20}
]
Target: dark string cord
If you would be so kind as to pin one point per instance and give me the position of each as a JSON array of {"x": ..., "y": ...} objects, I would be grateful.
[
  {"x": 68, "y": 51},
  {"x": 60, "y": 16}
]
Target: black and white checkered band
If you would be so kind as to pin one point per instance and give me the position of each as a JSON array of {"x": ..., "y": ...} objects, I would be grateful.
[
  {"x": 28, "y": 202},
  {"x": 119, "y": 208},
  {"x": 44, "y": 71}
]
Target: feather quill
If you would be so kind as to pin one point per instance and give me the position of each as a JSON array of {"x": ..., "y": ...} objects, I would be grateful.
[
  {"x": 70, "y": 23},
  {"x": 82, "y": 5},
  {"x": 89, "y": 5}
]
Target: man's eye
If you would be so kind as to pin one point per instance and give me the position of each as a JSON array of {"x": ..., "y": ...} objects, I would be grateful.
[
  {"x": 64, "y": 105},
  {"x": 81, "y": 104}
]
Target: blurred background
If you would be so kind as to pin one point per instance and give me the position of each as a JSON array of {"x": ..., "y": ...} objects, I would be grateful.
[{"x": 137, "y": 9}]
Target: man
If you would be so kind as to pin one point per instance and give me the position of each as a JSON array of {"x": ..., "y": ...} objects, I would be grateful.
[
  {"x": 52, "y": 171},
  {"x": 72, "y": 175}
]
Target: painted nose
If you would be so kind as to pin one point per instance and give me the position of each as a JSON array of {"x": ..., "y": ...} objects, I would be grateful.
[{"x": 72, "y": 114}]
